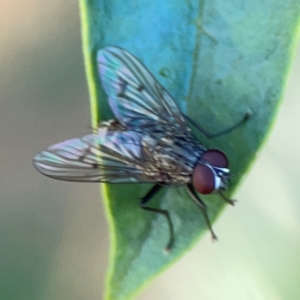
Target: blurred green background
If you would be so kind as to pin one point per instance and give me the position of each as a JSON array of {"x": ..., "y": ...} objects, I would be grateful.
[{"x": 54, "y": 236}]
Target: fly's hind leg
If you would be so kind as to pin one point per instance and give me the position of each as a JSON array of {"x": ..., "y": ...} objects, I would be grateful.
[{"x": 154, "y": 190}]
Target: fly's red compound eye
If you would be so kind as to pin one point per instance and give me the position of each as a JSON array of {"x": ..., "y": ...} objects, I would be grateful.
[
  {"x": 203, "y": 179},
  {"x": 216, "y": 158}
]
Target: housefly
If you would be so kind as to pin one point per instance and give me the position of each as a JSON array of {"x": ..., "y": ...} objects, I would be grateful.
[{"x": 148, "y": 141}]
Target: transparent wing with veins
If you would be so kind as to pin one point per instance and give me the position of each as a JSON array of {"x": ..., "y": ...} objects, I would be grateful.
[
  {"x": 119, "y": 151},
  {"x": 136, "y": 98},
  {"x": 107, "y": 156}
]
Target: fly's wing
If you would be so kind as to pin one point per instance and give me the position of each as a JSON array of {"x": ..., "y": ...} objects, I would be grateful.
[
  {"x": 135, "y": 97},
  {"x": 108, "y": 156}
]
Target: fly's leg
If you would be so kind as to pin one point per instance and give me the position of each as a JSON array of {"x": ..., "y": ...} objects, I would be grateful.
[
  {"x": 154, "y": 190},
  {"x": 226, "y": 199},
  {"x": 202, "y": 206},
  {"x": 222, "y": 132}
]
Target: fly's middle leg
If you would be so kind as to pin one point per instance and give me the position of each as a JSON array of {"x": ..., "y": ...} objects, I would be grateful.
[
  {"x": 154, "y": 190},
  {"x": 245, "y": 118}
]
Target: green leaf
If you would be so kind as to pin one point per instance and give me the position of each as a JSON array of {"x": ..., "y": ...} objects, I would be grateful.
[{"x": 218, "y": 59}]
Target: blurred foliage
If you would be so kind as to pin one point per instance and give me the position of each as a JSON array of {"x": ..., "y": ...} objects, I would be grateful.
[{"x": 222, "y": 58}]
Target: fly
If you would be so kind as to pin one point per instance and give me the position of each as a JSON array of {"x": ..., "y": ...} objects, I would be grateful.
[{"x": 149, "y": 141}]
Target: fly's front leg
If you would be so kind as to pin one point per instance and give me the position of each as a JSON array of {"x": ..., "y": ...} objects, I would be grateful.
[
  {"x": 222, "y": 132},
  {"x": 154, "y": 190},
  {"x": 202, "y": 206},
  {"x": 226, "y": 199}
]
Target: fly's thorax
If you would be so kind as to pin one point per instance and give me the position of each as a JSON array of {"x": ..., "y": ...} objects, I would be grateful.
[
  {"x": 211, "y": 173},
  {"x": 172, "y": 154}
]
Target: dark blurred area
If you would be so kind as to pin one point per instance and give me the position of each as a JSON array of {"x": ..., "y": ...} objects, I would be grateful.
[{"x": 54, "y": 236}]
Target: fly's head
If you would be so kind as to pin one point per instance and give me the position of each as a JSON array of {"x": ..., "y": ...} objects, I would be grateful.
[{"x": 211, "y": 173}]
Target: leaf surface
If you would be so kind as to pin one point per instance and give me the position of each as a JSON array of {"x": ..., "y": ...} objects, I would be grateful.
[{"x": 218, "y": 59}]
